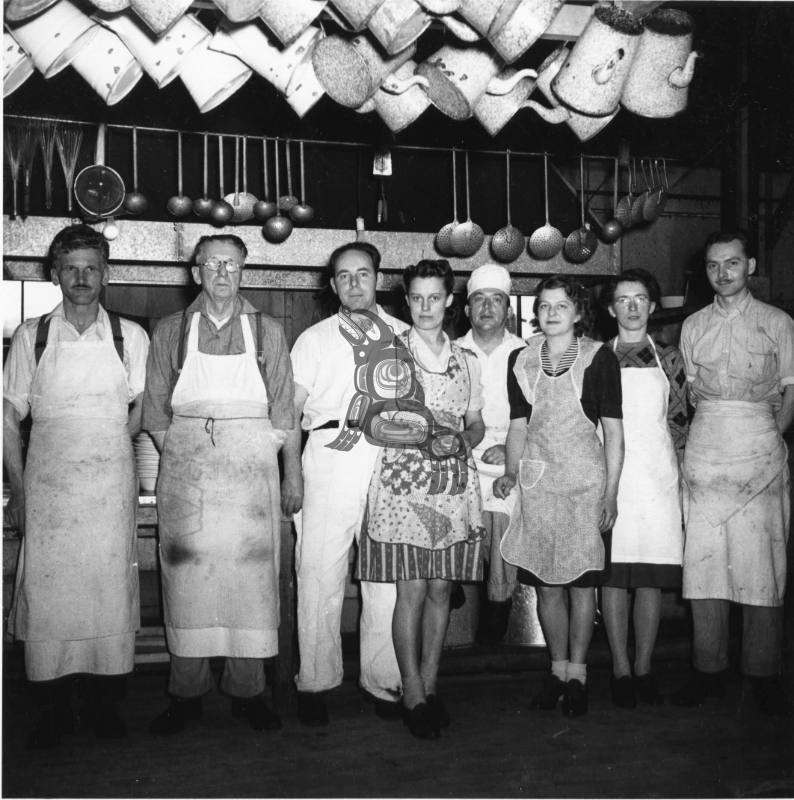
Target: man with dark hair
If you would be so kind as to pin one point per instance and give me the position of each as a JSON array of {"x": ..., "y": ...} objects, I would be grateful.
[
  {"x": 79, "y": 371},
  {"x": 331, "y": 488},
  {"x": 739, "y": 359},
  {"x": 218, "y": 401}
]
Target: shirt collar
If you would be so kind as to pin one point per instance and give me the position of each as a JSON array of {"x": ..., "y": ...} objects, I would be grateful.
[
  {"x": 101, "y": 320},
  {"x": 241, "y": 306},
  {"x": 736, "y": 309}
]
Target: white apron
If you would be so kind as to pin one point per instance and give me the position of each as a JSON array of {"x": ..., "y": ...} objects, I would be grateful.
[
  {"x": 553, "y": 532},
  {"x": 76, "y": 600},
  {"x": 737, "y": 504},
  {"x": 648, "y": 528},
  {"x": 218, "y": 503}
]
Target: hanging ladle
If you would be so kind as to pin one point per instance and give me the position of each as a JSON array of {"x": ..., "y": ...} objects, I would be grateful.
[
  {"x": 221, "y": 212},
  {"x": 507, "y": 243},
  {"x": 581, "y": 243},
  {"x": 134, "y": 201},
  {"x": 623, "y": 208},
  {"x": 287, "y": 201},
  {"x": 468, "y": 237},
  {"x": 443, "y": 240},
  {"x": 638, "y": 206},
  {"x": 278, "y": 227},
  {"x": 655, "y": 202},
  {"x": 547, "y": 240},
  {"x": 265, "y": 208},
  {"x": 612, "y": 229},
  {"x": 179, "y": 205},
  {"x": 302, "y": 213},
  {"x": 242, "y": 206},
  {"x": 202, "y": 206}
]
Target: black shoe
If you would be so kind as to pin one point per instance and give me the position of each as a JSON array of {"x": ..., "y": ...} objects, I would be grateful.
[
  {"x": 256, "y": 711},
  {"x": 311, "y": 709},
  {"x": 109, "y": 725},
  {"x": 438, "y": 710},
  {"x": 387, "y": 709},
  {"x": 645, "y": 686},
  {"x": 622, "y": 689},
  {"x": 176, "y": 717},
  {"x": 421, "y": 722},
  {"x": 574, "y": 703},
  {"x": 699, "y": 686},
  {"x": 494, "y": 622},
  {"x": 771, "y": 696},
  {"x": 550, "y": 691}
]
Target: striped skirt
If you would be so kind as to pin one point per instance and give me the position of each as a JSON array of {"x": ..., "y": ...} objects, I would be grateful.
[{"x": 387, "y": 562}]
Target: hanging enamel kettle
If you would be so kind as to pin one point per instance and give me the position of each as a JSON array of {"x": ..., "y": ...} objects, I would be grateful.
[{"x": 658, "y": 84}]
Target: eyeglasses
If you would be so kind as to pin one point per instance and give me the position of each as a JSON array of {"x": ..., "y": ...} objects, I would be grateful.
[
  {"x": 214, "y": 264},
  {"x": 626, "y": 300}
]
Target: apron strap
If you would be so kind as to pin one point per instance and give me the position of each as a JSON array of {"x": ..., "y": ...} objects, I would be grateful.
[{"x": 43, "y": 331}]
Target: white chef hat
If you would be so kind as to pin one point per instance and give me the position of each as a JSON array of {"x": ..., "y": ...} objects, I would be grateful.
[{"x": 489, "y": 276}]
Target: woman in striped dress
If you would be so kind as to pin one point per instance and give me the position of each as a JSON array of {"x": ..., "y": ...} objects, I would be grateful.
[{"x": 423, "y": 526}]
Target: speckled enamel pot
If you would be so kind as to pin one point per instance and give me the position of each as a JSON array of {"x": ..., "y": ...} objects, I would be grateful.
[
  {"x": 108, "y": 66},
  {"x": 289, "y": 20},
  {"x": 517, "y": 27},
  {"x": 160, "y": 15},
  {"x": 585, "y": 127},
  {"x": 458, "y": 77},
  {"x": 494, "y": 111},
  {"x": 54, "y": 37},
  {"x": 351, "y": 71},
  {"x": 658, "y": 84},
  {"x": 398, "y": 111},
  {"x": 212, "y": 77},
  {"x": 480, "y": 14},
  {"x": 398, "y": 23},
  {"x": 357, "y": 13},
  {"x": 161, "y": 58},
  {"x": 592, "y": 78},
  {"x": 17, "y": 65},
  {"x": 239, "y": 10},
  {"x": 17, "y": 10}
]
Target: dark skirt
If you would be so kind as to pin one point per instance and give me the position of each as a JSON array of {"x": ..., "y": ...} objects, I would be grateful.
[
  {"x": 593, "y": 577},
  {"x": 637, "y": 576},
  {"x": 386, "y": 562}
]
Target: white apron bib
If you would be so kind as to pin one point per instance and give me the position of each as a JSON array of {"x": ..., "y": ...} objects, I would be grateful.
[
  {"x": 648, "y": 528},
  {"x": 218, "y": 503},
  {"x": 553, "y": 532},
  {"x": 77, "y": 577}
]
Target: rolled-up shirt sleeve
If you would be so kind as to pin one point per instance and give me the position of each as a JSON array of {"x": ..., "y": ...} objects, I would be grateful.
[
  {"x": 160, "y": 376},
  {"x": 19, "y": 369},
  {"x": 785, "y": 349},
  {"x": 278, "y": 377}
]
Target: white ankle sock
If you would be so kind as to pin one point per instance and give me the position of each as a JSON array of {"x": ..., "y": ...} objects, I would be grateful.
[
  {"x": 577, "y": 672},
  {"x": 560, "y": 670}
]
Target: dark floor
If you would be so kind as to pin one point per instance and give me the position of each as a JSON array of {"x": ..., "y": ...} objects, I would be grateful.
[{"x": 495, "y": 747}]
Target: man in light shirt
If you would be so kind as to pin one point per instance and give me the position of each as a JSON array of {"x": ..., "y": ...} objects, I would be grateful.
[
  {"x": 739, "y": 359},
  {"x": 329, "y": 489},
  {"x": 487, "y": 307}
]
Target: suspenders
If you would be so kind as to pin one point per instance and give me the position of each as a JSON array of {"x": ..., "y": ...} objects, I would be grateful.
[{"x": 43, "y": 330}]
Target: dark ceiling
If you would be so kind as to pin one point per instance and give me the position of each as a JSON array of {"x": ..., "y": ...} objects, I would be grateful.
[{"x": 747, "y": 65}]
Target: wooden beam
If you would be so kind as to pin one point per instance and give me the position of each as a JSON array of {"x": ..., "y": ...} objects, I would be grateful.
[{"x": 158, "y": 253}]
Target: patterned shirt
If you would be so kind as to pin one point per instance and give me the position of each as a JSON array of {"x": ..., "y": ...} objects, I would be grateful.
[
  {"x": 742, "y": 353},
  {"x": 640, "y": 355}
]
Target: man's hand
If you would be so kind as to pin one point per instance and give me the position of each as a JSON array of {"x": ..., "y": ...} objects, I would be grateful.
[
  {"x": 15, "y": 511},
  {"x": 292, "y": 493},
  {"x": 494, "y": 455},
  {"x": 503, "y": 485}
]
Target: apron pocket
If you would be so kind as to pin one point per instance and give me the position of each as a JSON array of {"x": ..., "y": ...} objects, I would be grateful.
[{"x": 530, "y": 471}]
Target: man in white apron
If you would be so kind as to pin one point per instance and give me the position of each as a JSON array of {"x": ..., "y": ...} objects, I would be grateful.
[
  {"x": 330, "y": 485},
  {"x": 739, "y": 358},
  {"x": 79, "y": 373},
  {"x": 218, "y": 399},
  {"x": 487, "y": 307}
]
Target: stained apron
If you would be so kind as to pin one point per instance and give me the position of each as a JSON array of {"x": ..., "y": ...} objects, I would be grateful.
[
  {"x": 76, "y": 597},
  {"x": 218, "y": 502},
  {"x": 736, "y": 503},
  {"x": 553, "y": 532},
  {"x": 648, "y": 529}
]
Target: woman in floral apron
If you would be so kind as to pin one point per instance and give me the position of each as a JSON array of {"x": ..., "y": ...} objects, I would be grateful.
[
  {"x": 561, "y": 387},
  {"x": 647, "y": 539},
  {"x": 423, "y": 527}
]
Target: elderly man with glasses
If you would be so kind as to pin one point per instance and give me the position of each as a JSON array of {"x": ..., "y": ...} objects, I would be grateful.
[{"x": 218, "y": 400}]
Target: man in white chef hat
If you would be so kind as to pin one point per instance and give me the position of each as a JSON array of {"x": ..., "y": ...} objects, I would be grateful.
[{"x": 487, "y": 307}]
